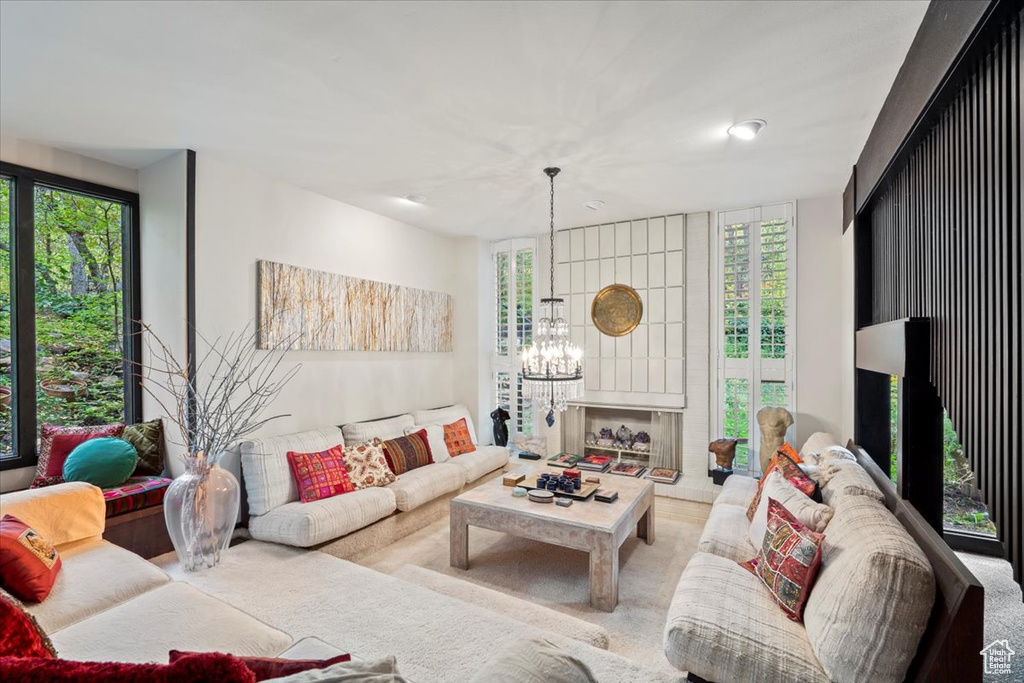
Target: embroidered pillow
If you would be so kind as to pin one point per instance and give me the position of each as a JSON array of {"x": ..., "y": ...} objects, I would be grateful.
[
  {"x": 366, "y": 465},
  {"x": 407, "y": 452},
  {"x": 148, "y": 439},
  {"x": 789, "y": 560},
  {"x": 56, "y": 443},
  {"x": 320, "y": 475},
  {"x": 20, "y": 633},
  {"x": 270, "y": 668},
  {"x": 790, "y": 471},
  {"x": 28, "y": 562},
  {"x": 457, "y": 438}
]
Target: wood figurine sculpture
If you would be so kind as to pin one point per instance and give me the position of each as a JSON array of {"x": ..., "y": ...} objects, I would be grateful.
[
  {"x": 773, "y": 423},
  {"x": 725, "y": 452}
]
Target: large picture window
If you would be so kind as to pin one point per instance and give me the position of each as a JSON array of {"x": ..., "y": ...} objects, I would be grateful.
[
  {"x": 69, "y": 306},
  {"x": 513, "y": 262},
  {"x": 756, "y": 332}
]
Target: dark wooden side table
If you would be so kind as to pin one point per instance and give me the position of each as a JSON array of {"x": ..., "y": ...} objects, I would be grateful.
[{"x": 141, "y": 531}]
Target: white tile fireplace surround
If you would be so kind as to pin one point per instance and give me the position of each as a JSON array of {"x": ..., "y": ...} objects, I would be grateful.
[{"x": 664, "y": 362}]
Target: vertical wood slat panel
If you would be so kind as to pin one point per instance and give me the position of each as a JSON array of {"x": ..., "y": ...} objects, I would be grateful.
[{"x": 947, "y": 244}]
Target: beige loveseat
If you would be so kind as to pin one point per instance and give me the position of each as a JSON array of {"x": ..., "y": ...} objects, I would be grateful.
[
  {"x": 277, "y": 515},
  {"x": 865, "y": 614}
]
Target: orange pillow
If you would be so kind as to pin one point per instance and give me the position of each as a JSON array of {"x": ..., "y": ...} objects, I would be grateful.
[
  {"x": 786, "y": 464},
  {"x": 456, "y": 438},
  {"x": 790, "y": 451},
  {"x": 28, "y": 562}
]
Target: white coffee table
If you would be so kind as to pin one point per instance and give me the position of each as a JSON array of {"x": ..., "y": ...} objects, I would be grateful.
[{"x": 598, "y": 528}]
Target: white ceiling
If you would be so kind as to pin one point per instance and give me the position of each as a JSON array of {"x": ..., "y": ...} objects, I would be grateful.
[{"x": 466, "y": 102}]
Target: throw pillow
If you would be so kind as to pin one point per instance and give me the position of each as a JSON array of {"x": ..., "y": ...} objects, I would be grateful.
[
  {"x": 407, "y": 452},
  {"x": 435, "y": 439},
  {"x": 533, "y": 660},
  {"x": 56, "y": 443},
  {"x": 792, "y": 472},
  {"x": 20, "y": 633},
  {"x": 148, "y": 439},
  {"x": 843, "y": 477},
  {"x": 366, "y": 465},
  {"x": 814, "y": 516},
  {"x": 267, "y": 668},
  {"x": 102, "y": 462},
  {"x": 789, "y": 560},
  {"x": 790, "y": 452},
  {"x": 195, "y": 668},
  {"x": 458, "y": 439},
  {"x": 28, "y": 562},
  {"x": 384, "y": 670},
  {"x": 320, "y": 475}
]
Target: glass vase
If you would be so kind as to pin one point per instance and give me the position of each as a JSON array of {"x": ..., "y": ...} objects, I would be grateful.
[{"x": 200, "y": 509}]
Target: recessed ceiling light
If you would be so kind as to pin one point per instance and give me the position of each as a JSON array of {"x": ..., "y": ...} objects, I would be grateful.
[
  {"x": 747, "y": 130},
  {"x": 415, "y": 198},
  {"x": 594, "y": 204}
]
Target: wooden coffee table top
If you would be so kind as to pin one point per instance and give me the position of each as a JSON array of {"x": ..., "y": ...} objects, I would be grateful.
[{"x": 588, "y": 514}]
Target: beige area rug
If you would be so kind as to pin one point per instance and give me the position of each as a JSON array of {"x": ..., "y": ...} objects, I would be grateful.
[{"x": 557, "y": 577}]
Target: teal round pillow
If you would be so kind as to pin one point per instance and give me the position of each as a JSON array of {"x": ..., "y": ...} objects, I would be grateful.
[{"x": 101, "y": 462}]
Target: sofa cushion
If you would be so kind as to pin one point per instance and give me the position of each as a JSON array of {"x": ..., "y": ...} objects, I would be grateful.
[
  {"x": 843, "y": 479},
  {"x": 481, "y": 461},
  {"x": 815, "y": 444},
  {"x": 268, "y": 479},
  {"x": 533, "y": 660},
  {"x": 873, "y": 597},
  {"x": 84, "y": 588},
  {"x": 737, "y": 490},
  {"x": 743, "y": 638},
  {"x": 311, "y": 647},
  {"x": 447, "y": 415},
  {"x": 63, "y": 513},
  {"x": 137, "y": 493},
  {"x": 424, "y": 484},
  {"x": 388, "y": 428},
  {"x": 175, "y": 615},
  {"x": 405, "y": 453},
  {"x": 307, "y": 524},
  {"x": 727, "y": 533}
]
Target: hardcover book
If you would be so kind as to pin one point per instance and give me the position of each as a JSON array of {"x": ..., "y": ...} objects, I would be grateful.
[
  {"x": 594, "y": 463},
  {"x": 627, "y": 469},
  {"x": 663, "y": 475},
  {"x": 606, "y": 495},
  {"x": 563, "y": 460}
]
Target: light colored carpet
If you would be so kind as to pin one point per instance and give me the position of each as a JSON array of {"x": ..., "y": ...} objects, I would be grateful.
[
  {"x": 1004, "y": 611},
  {"x": 371, "y": 615},
  {"x": 557, "y": 577}
]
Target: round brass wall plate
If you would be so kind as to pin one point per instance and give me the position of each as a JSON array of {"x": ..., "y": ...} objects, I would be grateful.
[{"x": 617, "y": 310}]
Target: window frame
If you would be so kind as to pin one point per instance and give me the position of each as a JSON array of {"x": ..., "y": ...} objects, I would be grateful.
[
  {"x": 753, "y": 366},
  {"x": 23, "y": 305},
  {"x": 511, "y": 362}
]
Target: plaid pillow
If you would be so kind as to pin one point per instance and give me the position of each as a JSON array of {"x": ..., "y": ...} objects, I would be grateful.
[
  {"x": 789, "y": 560},
  {"x": 789, "y": 469},
  {"x": 320, "y": 475},
  {"x": 457, "y": 439},
  {"x": 407, "y": 452}
]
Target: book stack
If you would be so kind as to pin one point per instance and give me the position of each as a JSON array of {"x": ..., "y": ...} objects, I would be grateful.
[
  {"x": 663, "y": 475},
  {"x": 594, "y": 463},
  {"x": 606, "y": 495},
  {"x": 627, "y": 469},
  {"x": 564, "y": 460}
]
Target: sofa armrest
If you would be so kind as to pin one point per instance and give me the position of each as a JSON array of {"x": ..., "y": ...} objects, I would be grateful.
[{"x": 63, "y": 513}]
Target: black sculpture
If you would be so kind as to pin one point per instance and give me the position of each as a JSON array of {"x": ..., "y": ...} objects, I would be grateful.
[{"x": 500, "y": 416}]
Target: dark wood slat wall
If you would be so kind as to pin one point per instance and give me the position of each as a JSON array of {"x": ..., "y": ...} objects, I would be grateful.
[{"x": 946, "y": 244}]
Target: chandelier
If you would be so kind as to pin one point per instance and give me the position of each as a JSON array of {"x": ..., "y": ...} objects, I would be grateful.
[{"x": 552, "y": 364}]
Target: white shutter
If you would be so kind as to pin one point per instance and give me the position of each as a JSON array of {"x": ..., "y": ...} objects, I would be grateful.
[{"x": 514, "y": 304}]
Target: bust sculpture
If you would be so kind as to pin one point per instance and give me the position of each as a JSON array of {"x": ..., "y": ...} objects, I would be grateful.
[
  {"x": 500, "y": 416},
  {"x": 773, "y": 423}
]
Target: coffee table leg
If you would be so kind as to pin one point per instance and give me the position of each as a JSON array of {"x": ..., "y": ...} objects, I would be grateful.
[
  {"x": 645, "y": 527},
  {"x": 604, "y": 575},
  {"x": 459, "y": 550}
]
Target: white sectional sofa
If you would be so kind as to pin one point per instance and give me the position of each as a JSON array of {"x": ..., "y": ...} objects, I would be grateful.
[
  {"x": 864, "y": 617},
  {"x": 277, "y": 515}
]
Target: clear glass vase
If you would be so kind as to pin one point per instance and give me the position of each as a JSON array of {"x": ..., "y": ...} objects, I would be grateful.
[{"x": 200, "y": 509}]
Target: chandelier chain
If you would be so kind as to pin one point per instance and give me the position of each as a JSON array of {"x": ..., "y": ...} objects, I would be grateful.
[{"x": 552, "y": 180}]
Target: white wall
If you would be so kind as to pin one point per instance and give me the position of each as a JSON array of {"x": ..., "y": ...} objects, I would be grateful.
[
  {"x": 242, "y": 217},
  {"x": 474, "y": 324},
  {"x": 819, "y": 343}
]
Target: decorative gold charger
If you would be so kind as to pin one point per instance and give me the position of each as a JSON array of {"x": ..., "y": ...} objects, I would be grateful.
[{"x": 617, "y": 310}]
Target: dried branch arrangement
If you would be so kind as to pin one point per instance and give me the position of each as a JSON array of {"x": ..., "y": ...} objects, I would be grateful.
[{"x": 235, "y": 383}]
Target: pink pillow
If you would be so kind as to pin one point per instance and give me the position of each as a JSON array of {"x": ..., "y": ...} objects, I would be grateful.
[
  {"x": 320, "y": 475},
  {"x": 56, "y": 443}
]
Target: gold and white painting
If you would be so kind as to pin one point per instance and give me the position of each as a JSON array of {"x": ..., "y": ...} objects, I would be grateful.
[{"x": 306, "y": 309}]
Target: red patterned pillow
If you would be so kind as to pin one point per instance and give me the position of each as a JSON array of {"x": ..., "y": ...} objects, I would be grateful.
[
  {"x": 56, "y": 443},
  {"x": 789, "y": 469},
  {"x": 320, "y": 475},
  {"x": 407, "y": 452},
  {"x": 28, "y": 562},
  {"x": 20, "y": 633},
  {"x": 267, "y": 668},
  {"x": 789, "y": 560},
  {"x": 456, "y": 437},
  {"x": 194, "y": 668}
]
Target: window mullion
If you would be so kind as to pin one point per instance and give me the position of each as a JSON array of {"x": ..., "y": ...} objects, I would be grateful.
[{"x": 23, "y": 319}]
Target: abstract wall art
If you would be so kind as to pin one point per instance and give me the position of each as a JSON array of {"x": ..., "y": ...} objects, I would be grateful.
[{"x": 306, "y": 309}]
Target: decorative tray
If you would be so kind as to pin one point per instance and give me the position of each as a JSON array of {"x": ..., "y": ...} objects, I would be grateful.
[{"x": 585, "y": 492}]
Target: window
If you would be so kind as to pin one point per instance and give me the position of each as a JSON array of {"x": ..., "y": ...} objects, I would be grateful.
[
  {"x": 513, "y": 262},
  {"x": 755, "y": 306},
  {"x": 69, "y": 306}
]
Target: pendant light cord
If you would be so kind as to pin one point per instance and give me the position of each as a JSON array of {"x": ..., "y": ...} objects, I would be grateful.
[{"x": 552, "y": 179}]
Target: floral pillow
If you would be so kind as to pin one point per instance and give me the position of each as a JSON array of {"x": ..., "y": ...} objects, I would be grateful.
[
  {"x": 56, "y": 443},
  {"x": 366, "y": 465},
  {"x": 457, "y": 438},
  {"x": 789, "y": 560},
  {"x": 791, "y": 471},
  {"x": 320, "y": 475}
]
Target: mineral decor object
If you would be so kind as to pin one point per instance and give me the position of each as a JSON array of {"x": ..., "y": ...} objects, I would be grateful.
[{"x": 320, "y": 311}]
